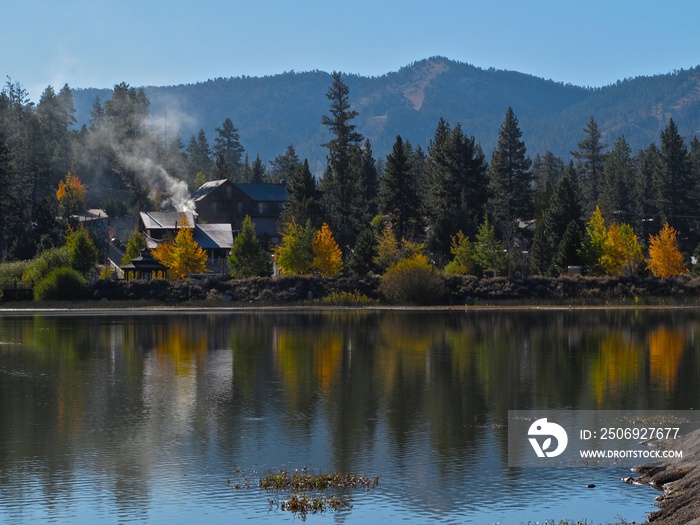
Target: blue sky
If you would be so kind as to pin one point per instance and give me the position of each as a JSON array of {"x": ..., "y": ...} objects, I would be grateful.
[{"x": 92, "y": 43}]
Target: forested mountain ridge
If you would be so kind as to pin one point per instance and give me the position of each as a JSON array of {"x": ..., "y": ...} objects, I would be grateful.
[{"x": 275, "y": 111}]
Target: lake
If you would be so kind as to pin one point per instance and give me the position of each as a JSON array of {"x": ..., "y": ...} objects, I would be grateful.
[{"x": 158, "y": 417}]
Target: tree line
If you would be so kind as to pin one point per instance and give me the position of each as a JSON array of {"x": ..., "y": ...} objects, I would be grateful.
[{"x": 506, "y": 214}]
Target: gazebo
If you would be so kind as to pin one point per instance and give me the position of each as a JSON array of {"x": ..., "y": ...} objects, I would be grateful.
[{"x": 144, "y": 267}]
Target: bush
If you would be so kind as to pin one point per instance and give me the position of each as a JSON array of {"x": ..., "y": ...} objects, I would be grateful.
[
  {"x": 62, "y": 283},
  {"x": 40, "y": 267},
  {"x": 11, "y": 272},
  {"x": 342, "y": 298},
  {"x": 413, "y": 281}
]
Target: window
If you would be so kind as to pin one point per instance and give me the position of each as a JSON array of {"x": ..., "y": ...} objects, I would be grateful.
[{"x": 263, "y": 207}]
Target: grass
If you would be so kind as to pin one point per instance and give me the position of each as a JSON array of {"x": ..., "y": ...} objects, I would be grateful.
[{"x": 306, "y": 492}]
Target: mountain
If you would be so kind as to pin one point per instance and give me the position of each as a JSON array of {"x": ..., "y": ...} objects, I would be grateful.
[{"x": 273, "y": 112}]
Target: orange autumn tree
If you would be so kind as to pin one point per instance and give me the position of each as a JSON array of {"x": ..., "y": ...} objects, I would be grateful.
[
  {"x": 328, "y": 259},
  {"x": 183, "y": 255},
  {"x": 71, "y": 195},
  {"x": 665, "y": 258}
]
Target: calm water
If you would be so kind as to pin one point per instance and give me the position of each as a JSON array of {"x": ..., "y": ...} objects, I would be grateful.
[{"x": 145, "y": 417}]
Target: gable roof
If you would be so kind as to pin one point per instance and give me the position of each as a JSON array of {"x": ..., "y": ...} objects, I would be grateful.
[
  {"x": 264, "y": 192},
  {"x": 206, "y": 188},
  {"x": 214, "y": 236},
  {"x": 166, "y": 220}
]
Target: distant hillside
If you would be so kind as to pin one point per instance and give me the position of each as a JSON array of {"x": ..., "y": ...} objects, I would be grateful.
[{"x": 276, "y": 111}]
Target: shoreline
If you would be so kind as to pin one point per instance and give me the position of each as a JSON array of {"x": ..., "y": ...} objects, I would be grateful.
[
  {"x": 678, "y": 480},
  {"x": 133, "y": 307}
]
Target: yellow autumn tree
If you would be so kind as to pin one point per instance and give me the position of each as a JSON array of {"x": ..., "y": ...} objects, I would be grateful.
[
  {"x": 71, "y": 195},
  {"x": 621, "y": 250},
  {"x": 328, "y": 259},
  {"x": 665, "y": 258},
  {"x": 183, "y": 255},
  {"x": 594, "y": 245}
]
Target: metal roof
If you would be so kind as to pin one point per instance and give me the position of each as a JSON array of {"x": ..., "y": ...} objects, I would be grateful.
[{"x": 166, "y": 220}]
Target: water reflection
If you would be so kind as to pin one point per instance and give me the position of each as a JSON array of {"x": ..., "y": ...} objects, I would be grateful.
[{"x": 123, "y": 415}]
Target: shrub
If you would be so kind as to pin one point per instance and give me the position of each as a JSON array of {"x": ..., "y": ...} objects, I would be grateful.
[
  {"x": 61, "y": 283},
  {"x": 354, "y": 298},
  {"x": 11, "y": 272},
  {"x": 47, "y": 260},
  {"x": 414, "y": 281}
]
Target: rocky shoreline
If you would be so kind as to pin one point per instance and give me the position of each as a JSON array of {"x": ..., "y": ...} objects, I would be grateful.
[{"x": 678, "y": 479}]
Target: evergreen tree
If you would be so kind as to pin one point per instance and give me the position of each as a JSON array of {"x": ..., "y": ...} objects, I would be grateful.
[
  {"x": 361, "y": 259},
  {"x": 369, "y": 180},
  {"x": 284, "y": 165},
  {"x": 228, "y": 151},
  {"x": 618, "y": 174},
  {"x": 6, "y": 196},
  {"x": 546, "y": 172},
  {"x": 590, "y": 160},
  {"x": 457, "y": 188},
  {"x": 247, "y": 257},
  {"x": 399, "y": 198},
  {"x": 569, "y": 250},
  {"x": 199, "y": 156},
  {"x": 341, "y": 184},
  {"x": 510, "y": 179},
  {"x": 643, "y": 191},
  {"x": 304, "y": 200},
  {"x": 134, "y": 245},
  {"x": 489, "y": 253},
  {"x": 82, "y": 253},
  {"x": 563, "y": 208},
  {"x": 258, "y": 171},
  {"x": 674, "y": 183}
]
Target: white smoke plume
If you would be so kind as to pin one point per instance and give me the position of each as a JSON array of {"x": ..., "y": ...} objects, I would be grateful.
[{"x": 139, "y": 156}]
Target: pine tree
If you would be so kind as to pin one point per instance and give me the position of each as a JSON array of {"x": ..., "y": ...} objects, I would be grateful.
[
  {"x": 563, "y": 208},
  {"x": 247, "y": 257},
  {"x": 82, "y": 253},
  {"x": 457, "y": 188},
  {"x": 510, "y": 178},
  {"x": 258, "y": 171},
  {"x": 643, "y": 190},
  {"x": 228, "y": 151},
  {"x": 134, "y": 245},
  {"x": 284, "y": 165},
  {"x": 568, "y": 251},
  {"x": 360, "y": 262},
  {"x": 489, "y": 253},
  {"x": 399, "y": 198},
  {"x": 674, "y": 184},
  {"x": 341, "y": 184},
  {"x": 618, "y": 174},
  {"x": 590, "y": 162},
  {"x": 199, "y": 155},
  {"x": 304, "y": 201}
]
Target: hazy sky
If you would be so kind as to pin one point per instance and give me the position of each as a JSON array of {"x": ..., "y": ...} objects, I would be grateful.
[{"x": 92, "y": 43}]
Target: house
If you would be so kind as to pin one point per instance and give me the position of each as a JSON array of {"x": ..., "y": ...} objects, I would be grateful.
[
  {"x": 215, "y": 238},
  {"x": 222, "y": 201}
]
